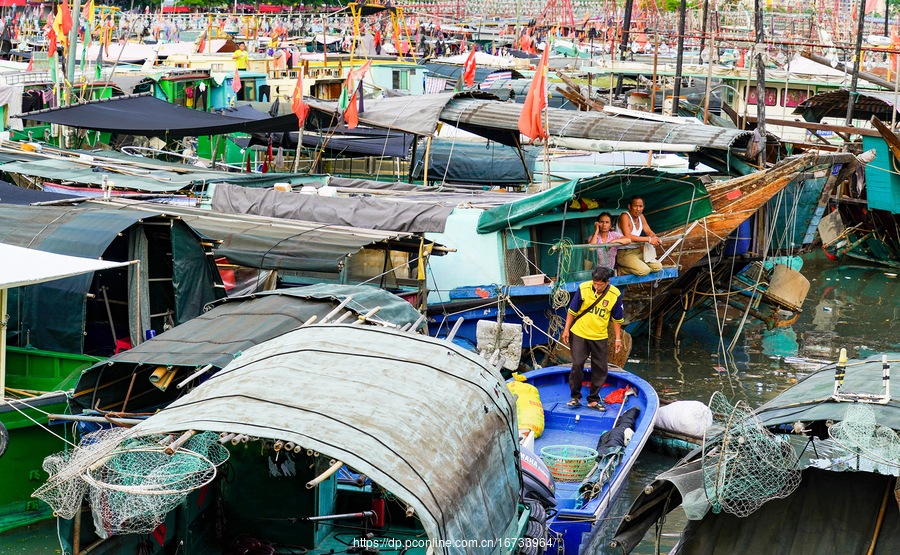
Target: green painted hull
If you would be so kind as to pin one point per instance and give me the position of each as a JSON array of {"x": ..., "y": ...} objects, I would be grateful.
[{"x": 29, "y": 444}]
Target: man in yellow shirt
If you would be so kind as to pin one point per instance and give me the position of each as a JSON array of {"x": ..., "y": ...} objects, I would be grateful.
[
  {"x": 592, "y": 306},
  {"x": 240, "y": 56}
]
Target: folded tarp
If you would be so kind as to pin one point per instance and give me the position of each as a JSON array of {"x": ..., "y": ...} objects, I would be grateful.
[
  {"x": 146, "y": 116},
  {"x": 364, "y": 212}
]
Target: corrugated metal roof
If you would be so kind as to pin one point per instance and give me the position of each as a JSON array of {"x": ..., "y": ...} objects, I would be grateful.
[
  {"x": 493, "y": 116},
  {"x": 427, "y": 420}
]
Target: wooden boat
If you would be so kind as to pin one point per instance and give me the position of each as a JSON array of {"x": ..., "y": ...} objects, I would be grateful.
[
  {"x": 839, "y": 479},
  {"x": 582, "y": 503},
  {"x": 368, "y": 397}
]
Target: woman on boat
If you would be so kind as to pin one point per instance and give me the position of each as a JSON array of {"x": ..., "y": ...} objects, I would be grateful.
[
  {"x": 633, "y": 224},
  {"x": 603, "y": 236}
]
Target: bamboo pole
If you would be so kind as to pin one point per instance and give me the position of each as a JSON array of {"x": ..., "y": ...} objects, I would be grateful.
[
  {"x": 887, "y": 490},
  {"x": 335, "y": 466}
]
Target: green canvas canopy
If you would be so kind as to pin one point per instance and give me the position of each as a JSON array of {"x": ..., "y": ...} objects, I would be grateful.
[{"x": 667, "y": 198}]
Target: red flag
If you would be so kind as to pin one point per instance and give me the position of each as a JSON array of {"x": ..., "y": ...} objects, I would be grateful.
[
  {"x": 350, "y": 115},
  {"x": 30, "y": 64},
  {"x": 66, "y": 23},
  {"x": 236, "y": 82},
  {"x": 530, "y": 119},
  {"x": 202, "y": 43},
  {"x": 51, "y": 42},
  {"x": 469, "y": 73},
  {"x": 360, "y": 72},
  {"x": 871, "y": 6},
  {"x": 297, "y": 105}
]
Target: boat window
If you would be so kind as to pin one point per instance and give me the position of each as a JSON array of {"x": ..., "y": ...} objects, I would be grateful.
[
  {"x": 249, "y": 89},
  {"x": 793, "y": 98},
  {"x": 385, "y": 268},
  {"x": 217, "y": 67},
  {"x": 400, "y": 80},
  {"x": 771, "y": 96}
]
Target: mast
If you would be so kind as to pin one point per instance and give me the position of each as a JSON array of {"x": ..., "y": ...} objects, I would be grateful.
[
  {"x": 857, "y": 61},
  {"x": 760, "y": 48},
  {"x": 679, "y": 61},
  {"x": 73, "y": 42}
]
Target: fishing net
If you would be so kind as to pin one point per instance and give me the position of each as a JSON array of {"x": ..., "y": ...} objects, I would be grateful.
[
  {"x": 131, "y": 481},
  {"x": 744, "y": 465},
  {"x": 688, "y": 478},
  {"x": 860, "y": 444}
]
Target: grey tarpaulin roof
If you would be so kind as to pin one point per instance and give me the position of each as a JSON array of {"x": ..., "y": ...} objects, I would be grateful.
[
  {"x": 412, "y": 114},
  {"x": 232, "y": 325},
  {"x": 810, "y": 399},
  {"x": 367, "y": 212},
  {"x": 274, "y": 243},
  {"x": 454, "y": 462}
]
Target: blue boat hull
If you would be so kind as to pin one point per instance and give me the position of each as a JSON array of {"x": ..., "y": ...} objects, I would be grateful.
[{"x": 578, "y": 524}]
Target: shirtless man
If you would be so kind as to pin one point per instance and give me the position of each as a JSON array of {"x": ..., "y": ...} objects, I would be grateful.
[{"x": 633, "y": 225}]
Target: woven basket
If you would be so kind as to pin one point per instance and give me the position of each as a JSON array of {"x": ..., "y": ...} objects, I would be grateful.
[{"x": 568, "y": 463}]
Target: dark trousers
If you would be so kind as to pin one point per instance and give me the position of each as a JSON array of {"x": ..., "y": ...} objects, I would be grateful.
[{"x": 581, "y": 348}]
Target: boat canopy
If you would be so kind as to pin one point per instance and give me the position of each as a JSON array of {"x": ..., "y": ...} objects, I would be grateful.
[
  {"x": 278, "y": 244},
  {"x": 218, "y": 336},
  {"x": 866, "y": 104},
  {"x": 148, "y": 116},
  {"x": 477, "y": 162},
  {"x": 667, "y": 197},
  {"x": 20, "y": 266},
  {"x": 830, "y": 512},
  {"x": 427, "y": 420},
  {"x": 365, "y": 212},
  {"x": 809, "y": 400},
  {"x": 88, "y": 233}
]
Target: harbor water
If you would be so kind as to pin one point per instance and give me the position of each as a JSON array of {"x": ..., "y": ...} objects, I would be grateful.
[{"x": 849, "y": 305}]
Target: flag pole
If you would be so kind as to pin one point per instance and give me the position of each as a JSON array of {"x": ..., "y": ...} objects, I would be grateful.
[{"x": 73, "y": 42}]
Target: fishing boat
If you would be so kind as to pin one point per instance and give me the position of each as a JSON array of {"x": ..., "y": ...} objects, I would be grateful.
[
  {"x": 811, "y": 471},
  {"x": 589, "y": 453},
  {"x": 32, "y": 382},
  {"x": 372, "y": 437}
]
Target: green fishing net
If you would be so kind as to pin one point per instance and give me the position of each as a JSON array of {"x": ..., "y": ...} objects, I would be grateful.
[
  {"x": 744, "y": 465},
  {"x": 861, "y": 444},
  {"x": 131, "y": 481}
]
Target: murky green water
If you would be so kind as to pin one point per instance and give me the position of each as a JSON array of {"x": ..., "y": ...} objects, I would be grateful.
[{"x": 850, "y": 306}]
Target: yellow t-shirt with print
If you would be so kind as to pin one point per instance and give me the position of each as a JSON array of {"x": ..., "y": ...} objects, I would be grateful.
[{"x": 594, "y": 325}]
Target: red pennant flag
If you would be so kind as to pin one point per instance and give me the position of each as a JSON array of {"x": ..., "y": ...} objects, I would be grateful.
[
  {"x": 236, "y": 82},
  {"x": 51, "y": 42},
  {"x": 66, "y": 22},
  {"x": 351, "y": 117},
  {"x": 297, "y": 105},
  {"x": 530, "y": 119},
  {"x": 469, "y": 73},
  {"x": 360, "y": 72},
  {"x": 30, "y": 65}
]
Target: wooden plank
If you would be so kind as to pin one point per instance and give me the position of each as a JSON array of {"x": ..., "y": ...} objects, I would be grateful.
[
  {"x": 819, "y": 126},
  {"x": 892, "y": 141}
]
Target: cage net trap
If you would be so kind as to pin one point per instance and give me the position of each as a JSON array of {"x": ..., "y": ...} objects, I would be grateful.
[
  {"x": 861, "y": 444},
  {"x": 744, "y": 465},
  {"x": 132, "y": 482}
]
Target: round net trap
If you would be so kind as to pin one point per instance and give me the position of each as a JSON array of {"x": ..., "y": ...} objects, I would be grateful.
[
  {"x": 131, "y": 481},
  {"x": 861, "y": 444},
  {"x": 744, "y": 465}
]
